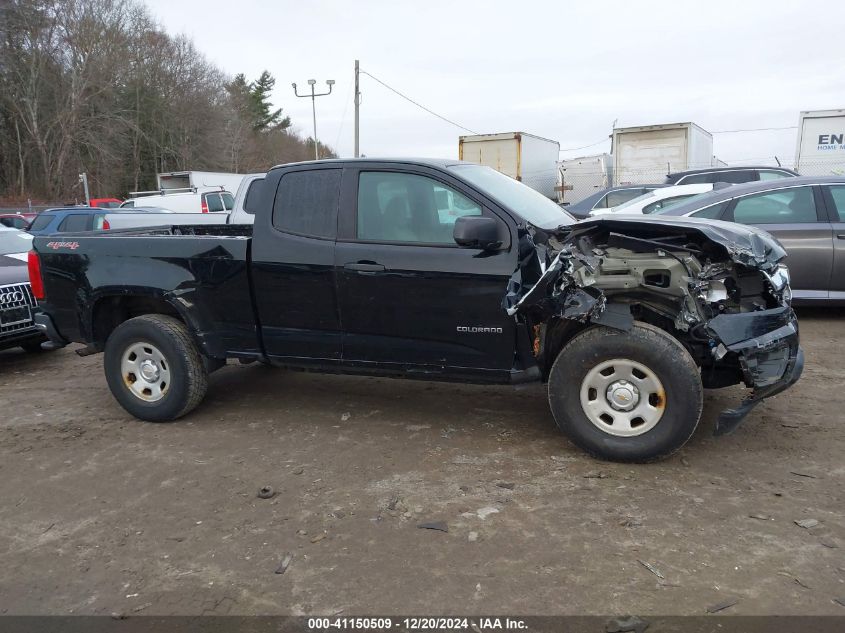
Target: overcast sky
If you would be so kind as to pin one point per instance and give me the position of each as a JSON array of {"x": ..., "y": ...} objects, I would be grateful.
[{"x": 563, "y": 70}]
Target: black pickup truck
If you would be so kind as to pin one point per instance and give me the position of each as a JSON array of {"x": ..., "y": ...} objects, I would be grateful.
[{"x": 437, "y": 270}]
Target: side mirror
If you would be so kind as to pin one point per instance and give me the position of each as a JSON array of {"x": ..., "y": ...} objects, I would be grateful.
[{"x": 474, "y": 231}]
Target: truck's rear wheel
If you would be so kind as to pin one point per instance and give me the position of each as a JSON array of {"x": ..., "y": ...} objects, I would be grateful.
[
  {"x": 154, "y": 369},
  {"x": 626, "y": 396}
]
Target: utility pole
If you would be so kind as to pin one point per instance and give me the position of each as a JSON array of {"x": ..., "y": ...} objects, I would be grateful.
[
  {"x": 357, "y": 105},
  {"x": 313, "y": 95},
  {"x": 83, "y": 178}
]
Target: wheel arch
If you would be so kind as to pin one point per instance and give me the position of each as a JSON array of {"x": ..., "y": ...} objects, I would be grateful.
[
  {"x": 553, "y": 336},
  {"x": 111, "y": 309}
]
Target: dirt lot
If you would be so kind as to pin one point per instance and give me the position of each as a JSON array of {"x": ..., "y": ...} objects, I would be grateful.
[{"x": 104, "y": 514}]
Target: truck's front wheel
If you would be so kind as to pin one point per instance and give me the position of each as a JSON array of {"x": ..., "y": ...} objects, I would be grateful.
[
  {"x": 154, "y": 369},
  {"x": 626, "y": 396}
]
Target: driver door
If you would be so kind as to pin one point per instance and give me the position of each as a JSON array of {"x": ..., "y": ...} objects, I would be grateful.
[{"x": 410, "y": 299}]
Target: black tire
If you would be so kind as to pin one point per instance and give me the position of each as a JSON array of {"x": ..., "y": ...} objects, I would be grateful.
[
  {"x": 188, "y": 377},
  {"x": 650, "y": 347},
  {"x": 33, "y": 347}
]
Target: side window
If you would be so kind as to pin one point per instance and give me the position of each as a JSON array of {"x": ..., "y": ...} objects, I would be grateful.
[
  {"x": 41, "y": 222},
  {"x": 228, "y": 201},
  {"x": 99, "y": 221},
  {"x": 128, "y": 203},
  {"x": 252, "y": 195},
  {"x": 773, "y": 174},
  {"x": 784, "y": 206},
  {"x": 394, "y": 207},
  {"x": 694, "y": 179},
  {"x": 213, "y": 201},
  {"x": 837, "y": 192},
  {"x": 615, "y": 198},
  {"x": 656, "y": 207},
  {"x": 601, "y": 203},
  {"x": 713, "y": 212},
  {"x": 74, "y": 222},
  {"x": 734, "y": 177},
  {"x": 306, "y": 202}
]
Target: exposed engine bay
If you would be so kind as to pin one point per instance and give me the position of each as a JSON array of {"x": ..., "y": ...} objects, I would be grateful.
[{"x": 719, "y": 288}]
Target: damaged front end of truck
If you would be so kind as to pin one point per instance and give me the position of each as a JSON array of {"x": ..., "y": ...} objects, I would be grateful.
[{"x": 718, "y": 288}]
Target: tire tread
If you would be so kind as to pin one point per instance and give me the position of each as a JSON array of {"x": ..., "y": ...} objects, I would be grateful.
[
  {"x": 658, "y": 338},
  {"x": 196, "y": 379}
]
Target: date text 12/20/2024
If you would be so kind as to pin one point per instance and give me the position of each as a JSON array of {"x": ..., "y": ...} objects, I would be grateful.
[{"x": 417, "y": 624}]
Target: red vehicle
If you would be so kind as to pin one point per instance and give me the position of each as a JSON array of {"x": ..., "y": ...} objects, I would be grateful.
[
  {"x": 16, "y": 220},
  {"x": 105, "y": 203}
]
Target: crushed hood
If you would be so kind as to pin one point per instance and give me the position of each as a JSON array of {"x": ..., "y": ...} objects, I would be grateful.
[
  {"x": 551, "y": 253},
  {"x": 745, "y": 245}
]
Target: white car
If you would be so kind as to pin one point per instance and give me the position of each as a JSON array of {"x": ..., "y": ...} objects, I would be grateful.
[
  {"x": 658, "y": 199},
  {"x": 14, "y": 243}
]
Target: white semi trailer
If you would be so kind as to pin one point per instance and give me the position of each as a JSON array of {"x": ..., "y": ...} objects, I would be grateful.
[
  {"x": 583, "y": 176},
  {"x": 820, "y": 150},
  {"x": 647, "y": 153},
  {"x": 199, "y": 181},
  {"x": 530, "y": 159}
]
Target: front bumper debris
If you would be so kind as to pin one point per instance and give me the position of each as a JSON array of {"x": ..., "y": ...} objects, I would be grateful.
[{"x": 766, "y": 343}]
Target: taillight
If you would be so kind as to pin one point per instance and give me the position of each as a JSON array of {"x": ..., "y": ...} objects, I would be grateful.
[
  {"x": 106, "y": 225},
  {"x": 35, "y": 280},
  {"x": 204, "y": 206}
]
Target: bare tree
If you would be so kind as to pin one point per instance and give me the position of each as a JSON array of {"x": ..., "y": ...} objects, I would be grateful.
[{"x": 98, "y": 86}]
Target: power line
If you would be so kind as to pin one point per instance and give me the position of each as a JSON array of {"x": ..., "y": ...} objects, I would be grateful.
[
  {"x": 419, "y": 105},
  {"x": 343, "y": 117},
  {"x": 757, "y": 129},
  {"x": 575, "y": 149}
]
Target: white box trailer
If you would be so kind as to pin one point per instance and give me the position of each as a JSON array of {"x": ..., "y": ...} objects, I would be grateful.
[
  {"x": 647, "y": 153},
  {"x": 820, "y": 150},
  {"x": 199, "y": 180},
  {"x": 580, "y": 177},
  {"x": 530, "y": 159}
]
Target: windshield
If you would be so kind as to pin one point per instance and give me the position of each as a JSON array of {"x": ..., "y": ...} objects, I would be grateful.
[
  {"x": 531, "y": 205},
  {"x": 12, "y": 242}
]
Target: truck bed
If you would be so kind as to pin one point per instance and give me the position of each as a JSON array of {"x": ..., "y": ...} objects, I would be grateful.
[
  {"x": 164, "y": 230},
  {"x": 200, "y": 271}
]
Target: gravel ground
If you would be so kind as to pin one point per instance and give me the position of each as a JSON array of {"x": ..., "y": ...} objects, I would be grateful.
[{"x": 104, "y": 514}]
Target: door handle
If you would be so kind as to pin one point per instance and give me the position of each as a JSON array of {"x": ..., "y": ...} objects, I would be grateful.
[
  {"x": 362, "y": 267},
  {"x": 841, "y": 236}
]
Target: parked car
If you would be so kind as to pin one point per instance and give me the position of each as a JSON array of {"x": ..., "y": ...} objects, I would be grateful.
[
  {"x": 67, "y": 220},
  {"x": 16, "y": 220},
  {"x": 656, "y": 200},
  {"x": 17, "y": 303},
  {"x": 732, "y": 175},
  {"x": 74, "y": 219},
  {"x": 186, "y": 202},
  {"x": 357, "y": 266},
  {"x": 607, "y": 198},
  {"x": 806, "y": 214},
  {"x": 105, "y": 203}
]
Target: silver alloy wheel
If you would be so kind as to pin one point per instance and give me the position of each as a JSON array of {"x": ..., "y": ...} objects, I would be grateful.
[
  {"x": 145, "y": 371},
  {"x": 622, "y": 397}
]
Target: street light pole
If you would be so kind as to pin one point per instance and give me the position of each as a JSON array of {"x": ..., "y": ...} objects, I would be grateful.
[
  {"x": 83, "y": 178},
  {"x": 314, "y": 95},
  {"x": 357, "y": 112}
]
